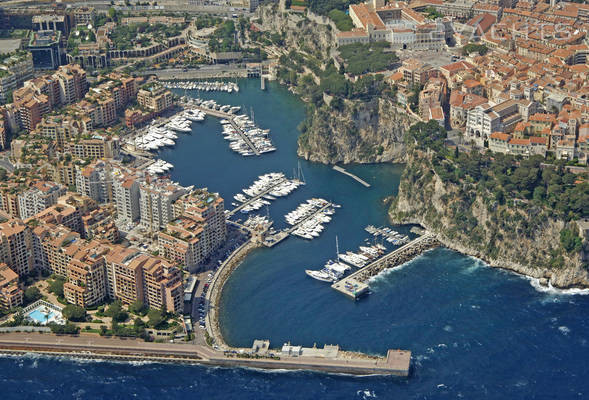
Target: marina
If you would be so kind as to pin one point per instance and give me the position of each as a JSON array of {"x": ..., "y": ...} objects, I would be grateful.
[
  {"x": 241, "y": 131},
  {"x": 333, "y": 271},
  {"x": 164, "y": 133},
  {"x": 266, "y": 188},
  {"x": 205, "y": 86},
  {"x": 306, "y": 221},
  {"x": 388, "y": 234},
  {"x": 355, "y": 285}
]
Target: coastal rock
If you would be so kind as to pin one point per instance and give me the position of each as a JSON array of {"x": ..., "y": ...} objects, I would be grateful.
[
  {"x": 362, "y": 132},
  {"x": 499, "y": 235}
]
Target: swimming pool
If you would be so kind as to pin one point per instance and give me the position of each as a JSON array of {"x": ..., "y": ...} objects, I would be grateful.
[{"x": 41, "y": 316}]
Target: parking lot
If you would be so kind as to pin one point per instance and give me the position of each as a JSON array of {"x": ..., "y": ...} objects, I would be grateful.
[{"x": 434, "y": 58}]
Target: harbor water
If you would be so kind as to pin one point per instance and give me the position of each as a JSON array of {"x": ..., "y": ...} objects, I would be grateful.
[{"x": 475, "y": 332}]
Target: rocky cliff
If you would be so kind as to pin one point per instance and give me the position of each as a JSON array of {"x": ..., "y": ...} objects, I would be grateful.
[
  {"x": 313, "y": 34},
  {"x": 356, "y": 131},
  {"x": 524, "y": 240},
  {"x": 361, "y": 132}
]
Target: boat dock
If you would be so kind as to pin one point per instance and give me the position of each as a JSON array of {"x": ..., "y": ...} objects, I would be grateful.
[
  {"x": 252, "y": 199},
  {"x": 343, "y": 171},
  {"x": 231, "y": 119},
  {"x": 355, "y": 285},
  {"x": 273, "y": 240}
]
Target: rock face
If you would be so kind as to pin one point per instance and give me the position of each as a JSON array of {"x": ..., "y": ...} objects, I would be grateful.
[
  {"x": 500, "y": 236},
  {"x": 362, "y": 132},
  {"x": 313, "y": 34}
]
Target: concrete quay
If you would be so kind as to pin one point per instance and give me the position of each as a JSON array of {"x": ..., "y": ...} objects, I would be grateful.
[
  {"x": 396, "y": 362},
  {"x": 355, "y": 285}
]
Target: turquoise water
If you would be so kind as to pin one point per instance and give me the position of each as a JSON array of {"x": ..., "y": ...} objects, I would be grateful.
[
  {"x": 40, "y": 317},
  {"x": 475, "y": 332}
]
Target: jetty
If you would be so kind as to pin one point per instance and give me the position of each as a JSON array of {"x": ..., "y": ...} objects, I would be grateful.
[
  {"x": 356, "y": 178},
  {"x": 273, "y": 240},
  {"x": 87, "y": 346},
  {"x": 355, "y": 285},
  {"x": 252, "y": 199},
  {"x": 231, "y": 119}
]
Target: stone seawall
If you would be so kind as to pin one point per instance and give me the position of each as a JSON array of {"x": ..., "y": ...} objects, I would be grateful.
[{"x": 213, "y": 296}]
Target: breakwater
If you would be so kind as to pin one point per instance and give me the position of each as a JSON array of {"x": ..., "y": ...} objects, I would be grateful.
[
  {"x": 216, "y": 287},
  {"x": 122, "y": 349},
  {"x": 355, "y": 285}
]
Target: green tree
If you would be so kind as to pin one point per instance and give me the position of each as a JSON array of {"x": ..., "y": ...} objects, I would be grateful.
[
  {"x": 75, "y": 313},
  {"x": 155, "y": 318},
  {"x": 116, "y": 312},
  {"x": 138, "y": 308},
  {"x": 32, "y": 294},
  {"x": 571, "y": 241},
  {"x": 56, "y": 286}
]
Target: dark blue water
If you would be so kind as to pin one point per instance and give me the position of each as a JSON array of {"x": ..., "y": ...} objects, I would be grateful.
[{"x": 475, "y": 332}]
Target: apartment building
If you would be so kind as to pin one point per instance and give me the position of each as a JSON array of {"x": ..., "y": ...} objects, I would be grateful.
[
  {"x": 123, "y": 274},
  {"x": 40, "y": 196},
  {"x": 99, "y": 224},
  {"x": 95, "y": 181},
  {"x": 133, "y": 276},
  {"x": 156, "y": 203},
  {"x": 61, "y": 214},
  {"x": 84, "y": 15},
  {"x": 126, "y": 196},
  {"x": 72, "y": 83},
  {"x": 162, "y": 285},
  {"x": 99, "y": 147},
  {"x": 210, "y": 208},
  {"x": 58, "y": 247},
  {"x": 11, "y": 295},
  {"x": 60, "y": 129},
  {"x": 86, "y": 276},
  {"x": 16, "y": 245},
  {"x": 154, "y": 98},
  {"x": 183, "y": 241}
]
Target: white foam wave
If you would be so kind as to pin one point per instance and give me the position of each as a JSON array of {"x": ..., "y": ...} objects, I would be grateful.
[
  {"x": 448, "y": 328},
  {"x": 366, "y": 394},
  {"x": 535, "y": 282},
  {"x": 565, "y": 330},
  {"x": 382, "y": 275}
]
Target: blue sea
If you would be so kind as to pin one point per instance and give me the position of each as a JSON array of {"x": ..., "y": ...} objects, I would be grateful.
[{"x": 475, "y": 332}]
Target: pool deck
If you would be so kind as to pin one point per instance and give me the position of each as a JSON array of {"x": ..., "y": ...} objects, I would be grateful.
[{"x": 93, "y": 346}]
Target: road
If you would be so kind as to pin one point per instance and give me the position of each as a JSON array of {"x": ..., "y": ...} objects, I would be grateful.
[
  {"x": 204, "y": 72},
  {"x": 5, "y": 162}
]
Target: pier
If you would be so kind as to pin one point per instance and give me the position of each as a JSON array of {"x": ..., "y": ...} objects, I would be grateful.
[
  {"x": 343, "y": 171},
  {"x": 355, "y": 285},
  {"x": 231, "y": 119},
  {"x": 252, "y": 199},
  {"x": 273, "y": 240}
]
